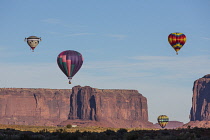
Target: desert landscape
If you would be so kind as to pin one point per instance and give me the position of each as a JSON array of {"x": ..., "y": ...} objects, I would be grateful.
[
  {"x": 104, "y": 70},
  {"x": 91, "y": 112}
]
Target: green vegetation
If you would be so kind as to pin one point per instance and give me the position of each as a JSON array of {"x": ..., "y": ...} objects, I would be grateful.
[
  {"x": 68, "y": 126},
  {"x": 20, "y": 132}
]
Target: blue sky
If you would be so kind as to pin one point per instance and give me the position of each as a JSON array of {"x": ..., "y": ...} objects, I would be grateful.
[{"x": 124, "y": 45}]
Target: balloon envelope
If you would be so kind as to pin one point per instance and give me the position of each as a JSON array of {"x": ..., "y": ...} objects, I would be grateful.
[
  {"x": 33, "y": 41},
  {"x": 70, "y": 62},
  {"x": 162, "y": 120},
  {"x": 177, "y": 40}
]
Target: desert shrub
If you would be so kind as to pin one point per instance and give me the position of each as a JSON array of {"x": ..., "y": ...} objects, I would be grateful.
[
  {"x": 169, "y": 137},
  {"x": 74, "y": 136},
  {"x": 10, "y": 129},
  {"x": 37, "y": 137},
  {"x": 43, "y": 131},
  {"x": 65, "y": 136},
  {"x": 122, "y": 131},
  {"x": 70, "y": 136},
  {"x": 93, "y": 136},
  {"x": 165, "y": 132},
  {"x": 205, "y": 138},
  {"x": 131, "y": 136},
  {"x": 85, "y": 133},
  {"x": 2, "y": 136},
  {"x": 198, "y": 136},
  {"x": 146, "y": 138},
  {"x": 103, "y": 136},
  {"x": 109, "y": 132},
  {"x": 61, "y": 131},
  {"x": 25, "y": 136},
  {"x": 12, "y": 137},
  {"x": 68, "y": 126},
  {"x": 187, "y": 136}
]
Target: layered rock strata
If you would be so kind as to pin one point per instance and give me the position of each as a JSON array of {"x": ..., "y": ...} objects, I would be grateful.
[{"x": 83, "y": 106}]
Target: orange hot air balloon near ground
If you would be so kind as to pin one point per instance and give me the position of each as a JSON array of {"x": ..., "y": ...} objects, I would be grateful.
[{"x": 177, "y": 40}]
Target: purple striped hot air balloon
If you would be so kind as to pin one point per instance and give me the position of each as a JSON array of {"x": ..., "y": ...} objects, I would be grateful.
[{"x": 70, "y": 62}]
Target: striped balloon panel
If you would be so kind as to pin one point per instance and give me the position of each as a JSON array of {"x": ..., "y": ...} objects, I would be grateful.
[
  {"x": 70, "y": 62},
  {"x": 33, "y": 43},
  {"x": 177, "y": 40},
  {"x": 163, "y": 120}
]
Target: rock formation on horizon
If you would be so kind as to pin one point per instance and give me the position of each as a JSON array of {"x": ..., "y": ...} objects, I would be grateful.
[
  {"x": 25, "y": 106},
  {"x": 200, "y": 110},
  {"x": 83, "y": 106},
  {"x": 116, "y": 108},
  {"x": 170, "y": 125}
]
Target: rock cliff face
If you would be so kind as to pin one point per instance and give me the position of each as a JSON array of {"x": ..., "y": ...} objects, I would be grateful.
[
  {"x": 83, "y": 106},
  {"x": 200, "y": 110},
  {"x": 114, "y": 108},
  {"x": 33, "y": 106},
  {"x": 200, "y": 124},
  {"x": 170, "y": 125}
]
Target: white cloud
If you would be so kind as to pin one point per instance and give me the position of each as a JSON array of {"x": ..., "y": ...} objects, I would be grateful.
[
  {"x": 166, "y": 81},
  {"x": 62, "y": 23},
  {"x": 66, "y": 25},
  {"x": 159, "y": 66},
  {"x": 69, "y": 35},
  {"x": 52, "y": 21},
  {"x": 79, "y": 34},
  {"x": 29, "y": 75},
  {"x": 175, "y": 63},
  {"x": 117, "y": 36},
  {"x": 162, "y": 80},
  {"x": 206, "y": 38},
  {"x": 2, "y": 47},
  {"x": 148, "y": 68}
]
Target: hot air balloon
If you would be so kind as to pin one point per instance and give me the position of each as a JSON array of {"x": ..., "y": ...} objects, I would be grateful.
[
  {"x": 162, "y": 120},
  {"x": 70, "y": 62},
  {"x": 33, "y": 41},
  {"x": 177, "y": 40}
]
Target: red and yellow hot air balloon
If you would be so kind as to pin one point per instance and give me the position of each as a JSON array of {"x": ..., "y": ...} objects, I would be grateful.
[{"x": 177, "y": 41}]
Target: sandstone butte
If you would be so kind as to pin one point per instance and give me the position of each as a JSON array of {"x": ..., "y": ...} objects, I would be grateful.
[
  {"x": 200, "y": 111},
  {"x": 170, "y": 125},
  {"x": 82, "y": 106}
]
